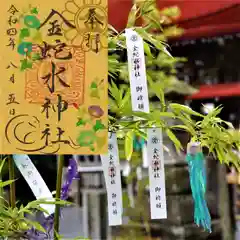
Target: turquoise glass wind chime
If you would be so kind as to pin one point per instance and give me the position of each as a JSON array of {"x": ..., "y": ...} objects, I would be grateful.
[
  {"x": 138, "y": 143},
  {"x": 198, "y": 182}
]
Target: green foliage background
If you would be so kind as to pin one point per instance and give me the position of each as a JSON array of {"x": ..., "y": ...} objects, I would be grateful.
[{"x": 217, "y": 136}]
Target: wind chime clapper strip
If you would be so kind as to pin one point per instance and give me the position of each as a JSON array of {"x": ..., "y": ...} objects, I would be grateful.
[
  {"x": 112, "y": 175},
  {"x": 156, "y": 172},
  {"x": 137, "y": 71},
  {"x": 198, "y": 182},
  {"x": 34, "y": 180}
]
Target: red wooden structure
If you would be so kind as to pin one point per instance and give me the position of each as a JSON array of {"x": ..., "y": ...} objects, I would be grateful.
[{"x": 199, "y": 18}]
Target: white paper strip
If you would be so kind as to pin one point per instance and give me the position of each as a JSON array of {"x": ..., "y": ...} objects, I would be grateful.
[
  {"x": 156, "y": 174},
  {"x": 137, "y": 71},
  {"x": 34, "y": 180},
  {"x": 111, "y": 170},
  {"x": 145, "y": 156}
]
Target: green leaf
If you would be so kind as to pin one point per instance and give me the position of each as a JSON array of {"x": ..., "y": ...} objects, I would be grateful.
[
  {"x": 174, "y": 139},
  {"x": 145, "y": 116},
  {"x": 140, "y": 133},
  {"x": 49, "y": 201},
  {"x": 115, "y": 92},
  {"x": 24, "y": 33},
  {"x": 184, "y": 127},
  {"x": 186, "y": 109},
  {"x": 174, "y": 85},
  {"x": 94, "y": 85},
  {"x": 132, "y": 16},
  {"x": 24, "y": 210},
  {"x": 2, "y": 165},
  {"x": 126, "y": 99},
  {"x": 98, "y": 126},
  {"x": 111, "y": 28},
  {"x": 171, "y": 11},
  {"x": 25, "y": 64},
  {"x": 148, "y": 37},
  {"x": 157, "y": 115},
  {"x": 4, "y": 184},
  {"x": 129, "y": 144},
  {"x": 158, "y": 89},
  {"x": 36, "y": 225},
  {"x": 42, "y": 210},
  {"x": 147, "y": 49},
  {"x": 234, "y": 158},
  {"x": 34, "y": 10},
  {"x": 81, "y": 122},
  {"x": 36, "y": 56},
  {"x": 229, "y": 124},
  {"x": 167, "y": 52},
  {"x": 220, "y": 154}
]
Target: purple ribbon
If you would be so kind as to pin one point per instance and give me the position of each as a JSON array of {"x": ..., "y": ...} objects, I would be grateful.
[{"x": 48, "y": 222}]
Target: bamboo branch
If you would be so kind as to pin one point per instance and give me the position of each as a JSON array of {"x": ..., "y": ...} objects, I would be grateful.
[
  {"x": 60, "y": 163},
  {"x": 1, "y": 189},
  {"x": 12, "y": 185}
]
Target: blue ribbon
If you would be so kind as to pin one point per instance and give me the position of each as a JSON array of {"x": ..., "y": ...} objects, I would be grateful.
[{"x": 198, "y": 181}]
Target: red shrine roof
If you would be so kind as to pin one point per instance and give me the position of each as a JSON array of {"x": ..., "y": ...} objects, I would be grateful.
[
  {"x": 199, "y": 18},
  {"x": 217, "y": 90}
]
